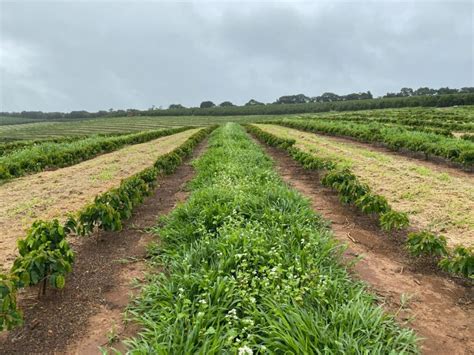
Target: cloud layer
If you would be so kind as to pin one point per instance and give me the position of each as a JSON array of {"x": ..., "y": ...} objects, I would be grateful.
[{"x": 62, "y": 56}]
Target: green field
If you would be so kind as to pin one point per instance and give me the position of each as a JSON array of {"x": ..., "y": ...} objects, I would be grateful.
[
  {"x": 246, "y": 264},
  {"x": 438, "y": 120},
  {"x": 49, "y": 129}
]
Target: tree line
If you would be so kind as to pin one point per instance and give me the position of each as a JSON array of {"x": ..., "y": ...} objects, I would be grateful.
[{"x": 299, "y": 103}]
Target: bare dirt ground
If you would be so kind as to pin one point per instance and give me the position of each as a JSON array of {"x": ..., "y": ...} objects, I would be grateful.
[
  {"x": 88, "y": 312},
  {"x": 436, "y": 197},
  {"x": 438, "y": 308},
  {"x": 53, "y": 194}
]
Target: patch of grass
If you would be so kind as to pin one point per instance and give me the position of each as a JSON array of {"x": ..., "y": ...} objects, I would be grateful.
[
  {"x": 444, "y": 177},
  {"x": 107, "y": 174},
  {"x": 421, "y": 170}
]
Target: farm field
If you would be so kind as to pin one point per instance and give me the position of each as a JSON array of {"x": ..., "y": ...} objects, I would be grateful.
[
  {"x": 246, "y": 263},
  {"x": 458, "y": 119},
  {"x": 54, "y": 194},
  {"x": 7, "y": 120},
  {"x": 410, "y": 185},
  {"x": 226, "y": 178},
  {"x": 109, "y": 125},
  {"x": 39, "y": 156},
  {"x": 450, "y": 119},
  {"x": 51, "y": 129}
]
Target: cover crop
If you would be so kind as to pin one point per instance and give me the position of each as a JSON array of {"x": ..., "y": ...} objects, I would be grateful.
[{"x": 250, "y": 268}]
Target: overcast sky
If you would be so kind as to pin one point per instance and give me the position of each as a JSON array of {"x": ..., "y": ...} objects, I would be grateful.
[{"x": 74, "y": 55}]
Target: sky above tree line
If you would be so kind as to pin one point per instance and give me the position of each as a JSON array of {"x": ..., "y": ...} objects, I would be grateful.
[{"x": 93, "y": 55}]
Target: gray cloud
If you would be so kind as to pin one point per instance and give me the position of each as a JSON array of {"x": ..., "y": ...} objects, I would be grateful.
[{"x": 62, "y": 56}]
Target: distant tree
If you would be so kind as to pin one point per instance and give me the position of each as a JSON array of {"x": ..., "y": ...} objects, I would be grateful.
[
  {"x": 424, "y": 91},
  {"x": 356, "y": 96},
  {"x": 207, "y": 104},
  {"x": 175, "y": 106},
  {"x": 391, "y": 94},
  {"x": 226, "y": 104},
  {"x": 253, "y": 102},
  {"x": 133, "y": 112},
  {"x": 446, "y": 90},
  {"x": 367, "y": 95},
  {"x": 466, "y": 90},
  {"x": 293, "y": 99},
  {"x": 79, "y": 114},
  {"x": 405, "y": 92},
  {"x": 329, "y": 97}
]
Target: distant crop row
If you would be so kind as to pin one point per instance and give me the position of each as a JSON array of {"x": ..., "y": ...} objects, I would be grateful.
[
  {"x": 455, "y": 119},
  {"x": 395, "y": 138},
  {"x": 246, "y": 267},
  {"x": 460, "y": 260},
  {"x": 10, "y": 147},
  {"x": 49, "y": 155},
  {"x": 45, "y": 255}
]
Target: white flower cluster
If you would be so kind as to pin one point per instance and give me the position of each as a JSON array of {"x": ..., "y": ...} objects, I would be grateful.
[{"x": 245, "y": 350}]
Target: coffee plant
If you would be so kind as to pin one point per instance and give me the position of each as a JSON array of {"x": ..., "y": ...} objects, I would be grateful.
[
  {"x": 45, "y": 255},
  {"x": 10, "y": 315}
]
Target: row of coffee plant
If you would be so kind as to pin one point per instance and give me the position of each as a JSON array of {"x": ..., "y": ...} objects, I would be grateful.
[
  {"x": 57, "y": 155},
  {"x": 45, "y": 255},
  {"x": 245, "y": 266},
  {"x": 395, "y": 138},
  {"x": 442, "y": 120},
  {"x": 10, "y": 147},
  {"x": 458, "y": 261}
]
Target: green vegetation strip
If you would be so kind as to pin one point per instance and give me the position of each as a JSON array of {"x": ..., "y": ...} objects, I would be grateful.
[
  {"x": 45, "y": 255},
  {"x": 10, "y": 147},
  {"x": 395, "y": 138},
  {"x": 58, "y": 155},
  {"x": 441, "y": 121},
  {"x": 459, "y": 261},
  {"x": 249, "y": 268}
]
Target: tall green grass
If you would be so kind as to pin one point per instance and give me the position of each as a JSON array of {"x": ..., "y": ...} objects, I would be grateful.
[{"x": 247, "y": 267}]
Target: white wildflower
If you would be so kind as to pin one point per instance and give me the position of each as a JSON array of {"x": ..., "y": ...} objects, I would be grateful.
[{"x": 245, "y": 350}]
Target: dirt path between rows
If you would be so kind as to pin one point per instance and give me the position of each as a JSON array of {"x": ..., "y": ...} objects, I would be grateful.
[
  {"x": 440, "y": 309},
  {"x": 88, "y": 312}
]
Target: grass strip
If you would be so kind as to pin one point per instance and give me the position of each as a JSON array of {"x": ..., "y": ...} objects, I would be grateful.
[{"x": 250, "y": 268}]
